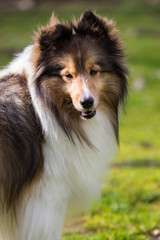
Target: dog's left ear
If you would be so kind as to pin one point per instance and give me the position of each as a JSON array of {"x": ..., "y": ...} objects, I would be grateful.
[
  {"x": 90, "y": 24},
  {"x": 93, "y": 25}
]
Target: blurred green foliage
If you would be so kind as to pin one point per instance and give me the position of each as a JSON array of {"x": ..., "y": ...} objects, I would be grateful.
[{"x": 130, "y": 203}]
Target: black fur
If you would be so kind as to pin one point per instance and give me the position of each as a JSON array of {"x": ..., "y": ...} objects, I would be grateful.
[
  {"x": 91, "y": 25},
  {"x": 20, "y": 139},
  {"x": 52, "y": 37}
]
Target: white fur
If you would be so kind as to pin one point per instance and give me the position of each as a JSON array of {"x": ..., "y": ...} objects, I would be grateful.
[
  {"x": 72, "y": 173},
  {"x": 86, "y": 91},
  {"x": 20, "y": 64}
]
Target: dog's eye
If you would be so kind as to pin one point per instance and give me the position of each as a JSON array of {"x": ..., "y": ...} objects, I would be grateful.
[
  {"x": 69, "y": 76},
  {"x": 93, "y": 72}
]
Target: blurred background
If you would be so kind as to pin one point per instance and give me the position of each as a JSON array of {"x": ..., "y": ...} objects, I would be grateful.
[{"x": 130, "y": 204}]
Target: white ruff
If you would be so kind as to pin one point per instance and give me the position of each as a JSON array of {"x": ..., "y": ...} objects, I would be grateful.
[
  {"x": 20, "y": 64},
  {"x": 72, "y": 173}
]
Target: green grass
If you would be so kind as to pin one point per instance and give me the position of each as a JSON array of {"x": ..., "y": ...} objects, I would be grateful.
[{"x": 129, "y": 208}]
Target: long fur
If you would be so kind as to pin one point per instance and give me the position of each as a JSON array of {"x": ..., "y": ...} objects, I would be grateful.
[{"x": 53, "y": 152}]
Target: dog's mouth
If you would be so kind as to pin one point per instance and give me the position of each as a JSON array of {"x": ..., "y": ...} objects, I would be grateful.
[
  {"x": 87, "y": 114},
  {"x": 83, "y": 114}
]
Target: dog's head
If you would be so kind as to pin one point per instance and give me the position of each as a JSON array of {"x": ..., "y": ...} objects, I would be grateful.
[{"x": 80, "y": 69}]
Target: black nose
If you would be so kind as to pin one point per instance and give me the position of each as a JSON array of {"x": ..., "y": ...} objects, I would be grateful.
[{"x": 87, "y": 103}]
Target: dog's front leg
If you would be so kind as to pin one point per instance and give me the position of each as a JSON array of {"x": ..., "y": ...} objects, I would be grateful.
[{"x": 41, "y": 217}]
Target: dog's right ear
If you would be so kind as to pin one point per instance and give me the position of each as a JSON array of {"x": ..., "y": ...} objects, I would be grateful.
[
  {"x": 52, "y": 34},
  {"x": 48, "y": 39},
  {"x": 53, "y": 20}
]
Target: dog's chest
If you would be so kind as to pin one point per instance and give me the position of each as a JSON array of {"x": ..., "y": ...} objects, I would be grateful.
[{"x": 78, "y": 169}]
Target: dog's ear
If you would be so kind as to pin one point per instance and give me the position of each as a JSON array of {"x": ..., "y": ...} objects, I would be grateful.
[
  {"x": 102, "y": 29},
  {"x": 90, "y": 24},
  {"x": 52, "y": 34},
  {"x": 53, "y": 20},
  {"x": 93, "y": 25}
]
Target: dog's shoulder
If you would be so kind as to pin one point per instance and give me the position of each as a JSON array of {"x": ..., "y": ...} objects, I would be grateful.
[
  {"x": 12, "y": 86},
  {"x": 20, "y": 137},
  {"x": 15, "y": 102}
]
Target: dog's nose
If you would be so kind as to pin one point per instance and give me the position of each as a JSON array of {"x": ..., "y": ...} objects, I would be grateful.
[{"x": 87, "y": 103}]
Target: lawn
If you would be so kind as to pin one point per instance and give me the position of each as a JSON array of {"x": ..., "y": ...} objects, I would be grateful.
[{"x": 130, "y": 204}]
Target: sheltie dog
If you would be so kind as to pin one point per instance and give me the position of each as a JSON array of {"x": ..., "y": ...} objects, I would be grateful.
[{"x": 59, "y": 104}]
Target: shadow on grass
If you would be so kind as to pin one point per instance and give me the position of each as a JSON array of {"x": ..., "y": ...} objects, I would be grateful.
[{"x": 138, "y": 163}]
